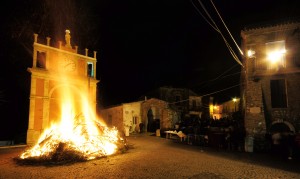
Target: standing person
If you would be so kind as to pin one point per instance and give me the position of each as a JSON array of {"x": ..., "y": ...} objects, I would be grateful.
[
  {"x": 228, "y": 137},
  {"x": 276, "y": 142},
  {"x": 290, "y": 144}
]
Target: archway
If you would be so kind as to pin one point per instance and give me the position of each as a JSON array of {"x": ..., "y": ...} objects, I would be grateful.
[
  {"x": 150, "y": 123},
  {"x": 60, "y": 94},
  {"x": 281, "y": 127}
]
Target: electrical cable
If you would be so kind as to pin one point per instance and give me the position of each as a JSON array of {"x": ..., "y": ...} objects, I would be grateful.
[
  {"x": 217, "y": 29},
  {"x": 208, "y": 93},
  {"x": 226, "y": 27},
  {"x": 203, "y": 16},
  {"x": 227, "y": 44},
  {"x": 219, "y": 77}
]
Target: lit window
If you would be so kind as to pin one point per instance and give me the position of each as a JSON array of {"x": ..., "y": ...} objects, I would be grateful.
[
  {"x": 278, "y": 93},
  {"x": 90, "y": 69},
  {"x": 276, "y": 54}
]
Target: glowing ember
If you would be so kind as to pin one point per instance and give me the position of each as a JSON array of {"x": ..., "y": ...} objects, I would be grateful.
[
  {"x": 89, "y": 144},
  {"x": 80, "y": 136}
]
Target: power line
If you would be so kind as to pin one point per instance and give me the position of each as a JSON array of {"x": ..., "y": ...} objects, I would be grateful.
[
  {"x": 221, "y": 76},
  {"x": 226, "y": 27},
  {"x": 217, "y": 29},
  {"x": 203, "y": 16},
  {"x": 222, "y": 90},
  {"x": 209, "y": 93}
]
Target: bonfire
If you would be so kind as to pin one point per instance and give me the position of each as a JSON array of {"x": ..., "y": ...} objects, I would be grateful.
[
  {"x": 85, "y": 141},
  {"x": 56, "y": 146},
  {"x": 74, "y": 137}
]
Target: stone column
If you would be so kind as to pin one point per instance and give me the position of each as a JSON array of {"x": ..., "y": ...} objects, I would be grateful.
[
  {"x": 34, "y": 59},
  {"x": 46, "y": 103},
  {"x": 254, "y": 115},
  {"x": 30, "y": 131}
]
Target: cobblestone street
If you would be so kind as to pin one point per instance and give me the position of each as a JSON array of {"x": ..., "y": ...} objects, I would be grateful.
[{"x": 156, "y": 157}]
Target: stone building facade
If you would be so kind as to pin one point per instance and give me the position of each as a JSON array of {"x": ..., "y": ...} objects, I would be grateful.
[
  {"x": 187, "y": 103},
  {"x": 226, "y": 109},
  {"x": 271, "y": 77},
  {"x": 152, "y": 113},
  {"x": 55, "y": 69}
]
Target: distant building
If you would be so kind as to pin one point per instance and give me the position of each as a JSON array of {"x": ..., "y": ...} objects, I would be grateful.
[
  {"x": 161, "y": 108},
  {"x": 225, "y": 109},
  {"x": 187, "y": 103},
  {"x": 271, "y": 77},
  {"x": 49, "y": 63},
  {"x": 151, "y": 113}
]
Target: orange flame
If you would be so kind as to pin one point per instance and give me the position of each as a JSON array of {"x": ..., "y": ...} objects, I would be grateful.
[{"x": 80, "y": 133}]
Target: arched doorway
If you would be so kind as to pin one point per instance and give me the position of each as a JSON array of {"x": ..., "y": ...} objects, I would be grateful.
[
  {"x": 282, "y": 137},
  {"x": 151, "y": 122},
  {"x": 58, "y": 96},
  {"x": 279, "y": 127}
]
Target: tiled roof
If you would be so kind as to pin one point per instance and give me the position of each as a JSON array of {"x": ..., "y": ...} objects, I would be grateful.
[{"x": 274, "y": 23}]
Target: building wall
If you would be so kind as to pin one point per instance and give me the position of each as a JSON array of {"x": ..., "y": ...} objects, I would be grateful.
[
  {"x": 161, "y": 111},
  {"x": 254, "y": 112},
  {"x": 113, "y": 117},
  {"x": 132, "y": 116},
  {"x": 229, "y": 107},
  {"x": 290, "y": 114},
  {"x": 179, "y": 99},
  {"x": 195, "y": 106},
  {"x": 259, "y": 113},
  {"x": 53, "y": 69}
]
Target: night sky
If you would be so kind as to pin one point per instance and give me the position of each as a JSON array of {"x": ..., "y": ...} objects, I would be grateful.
[{"x": 141, "y": 45}]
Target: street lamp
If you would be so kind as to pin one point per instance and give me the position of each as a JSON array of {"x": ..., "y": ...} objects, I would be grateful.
[
  {"x": 234, "y": 100},
  {"x": 251, "y": 53}
]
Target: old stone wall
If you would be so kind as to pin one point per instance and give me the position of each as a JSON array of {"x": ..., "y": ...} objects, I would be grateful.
[
  {"x": 292, "y": 112},
  {"x": 259, "y": 113},
  {"x": 166, "y": 115},
  {"x": 113, "y": 117},
  {"x": 254, "y": 114}
]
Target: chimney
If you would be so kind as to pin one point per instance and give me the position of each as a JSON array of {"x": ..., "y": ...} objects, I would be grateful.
[
  {"x": 35, "y": 37},
  {"x": 76, "y": 48},
  {"x": 48, "y": 41},
  {"x": 86, "y": 51},
  {"x": 95, "y": 54}
]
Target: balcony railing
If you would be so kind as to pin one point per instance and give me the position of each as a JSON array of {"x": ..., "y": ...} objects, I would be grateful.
[{"x": 262, "y": 67}]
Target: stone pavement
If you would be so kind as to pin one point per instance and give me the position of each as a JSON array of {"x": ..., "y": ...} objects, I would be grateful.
[{"x": 157, "y": 157}]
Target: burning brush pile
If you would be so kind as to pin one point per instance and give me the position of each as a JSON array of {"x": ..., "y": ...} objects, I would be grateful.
[
  {"x": 67, "y": 143},
  {"x": 69, "y": 137}
]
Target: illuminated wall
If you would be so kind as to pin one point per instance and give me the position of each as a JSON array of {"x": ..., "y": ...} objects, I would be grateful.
[
  {"x": 51, "y": 66},
  {"x": 270, "y": 77}
]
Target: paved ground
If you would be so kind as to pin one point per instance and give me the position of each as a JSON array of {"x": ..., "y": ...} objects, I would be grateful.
[{"x": 155, "y": 157}]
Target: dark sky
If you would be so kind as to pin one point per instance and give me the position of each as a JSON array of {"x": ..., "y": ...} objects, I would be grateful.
[
  {"x": 153, "y": 43},
  {"x": 141, "y": 44}
]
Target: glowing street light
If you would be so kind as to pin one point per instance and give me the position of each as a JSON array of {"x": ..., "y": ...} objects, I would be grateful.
[
  {"x": 251, "y": 53},
  {"x": 234, "y": 100}
]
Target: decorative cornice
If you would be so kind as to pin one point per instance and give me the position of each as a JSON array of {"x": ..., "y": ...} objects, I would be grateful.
[{"x": 272, "y": 26}]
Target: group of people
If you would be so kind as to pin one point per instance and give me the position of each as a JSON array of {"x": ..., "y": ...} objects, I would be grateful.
[{"x": 225, "y": 133}]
